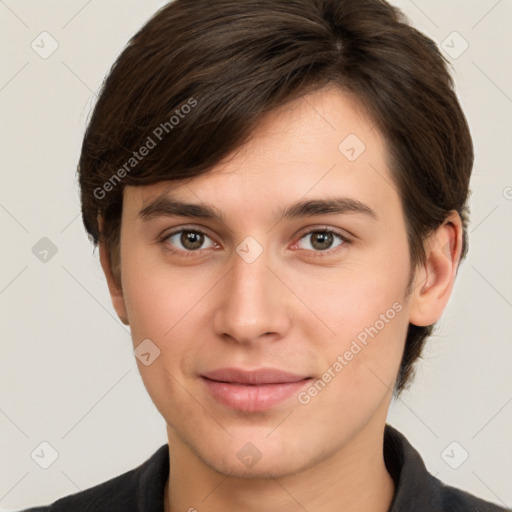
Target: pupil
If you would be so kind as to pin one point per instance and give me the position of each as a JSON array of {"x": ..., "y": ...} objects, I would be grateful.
[
  {"x": 324, "y": 239},
  {"x": 192, "y": 240}
]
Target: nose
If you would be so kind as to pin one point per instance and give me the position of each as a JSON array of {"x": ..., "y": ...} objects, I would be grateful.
[{"x": 254, "y": 305}]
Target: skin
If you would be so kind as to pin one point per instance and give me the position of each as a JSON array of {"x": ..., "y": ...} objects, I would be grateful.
[{"x": 292, "y": 309}]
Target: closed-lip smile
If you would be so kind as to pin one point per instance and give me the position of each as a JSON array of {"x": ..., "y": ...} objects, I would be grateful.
[{"x": 252, "y": 390}]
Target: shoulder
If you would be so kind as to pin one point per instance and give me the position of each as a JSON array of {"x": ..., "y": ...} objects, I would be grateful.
[
  {"x": 457, "y": 500},
  {"x": 114, "y": 494},
  {"x": 417, "y": 489},
  {"x": 141, "y": 486}
]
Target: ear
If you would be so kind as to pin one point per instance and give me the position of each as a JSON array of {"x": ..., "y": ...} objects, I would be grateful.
[
  {"x": 433, "y": 282},
  {"x": 115, "y": 289}
]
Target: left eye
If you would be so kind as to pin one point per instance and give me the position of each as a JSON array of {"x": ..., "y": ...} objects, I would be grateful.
[
  {"x": 322, "y": 240},
  {"x": 190, "y": 240}
]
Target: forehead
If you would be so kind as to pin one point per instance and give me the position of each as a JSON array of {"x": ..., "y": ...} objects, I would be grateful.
[{"x": 319, "y": 145}]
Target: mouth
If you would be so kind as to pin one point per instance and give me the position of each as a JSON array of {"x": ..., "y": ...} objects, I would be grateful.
[{"x": 252, "y": 391}]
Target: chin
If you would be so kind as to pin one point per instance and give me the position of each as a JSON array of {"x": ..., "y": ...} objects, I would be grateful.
[
  {"x": 262, "y": 458},
  {"x": 278, "y": 467}
]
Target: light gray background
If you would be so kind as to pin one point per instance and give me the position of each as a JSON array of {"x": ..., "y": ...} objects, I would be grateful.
[{"x": 67, "y": 372}]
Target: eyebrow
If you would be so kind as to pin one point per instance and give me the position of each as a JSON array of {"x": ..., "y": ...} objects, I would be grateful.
[{"x": 165, "y": 206}]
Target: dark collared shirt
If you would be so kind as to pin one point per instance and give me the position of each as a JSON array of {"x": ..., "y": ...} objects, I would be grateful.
[{"x": 142, "y": 488}]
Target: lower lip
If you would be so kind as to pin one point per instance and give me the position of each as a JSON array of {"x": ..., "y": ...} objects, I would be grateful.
[{"x": 252, "y": 398}]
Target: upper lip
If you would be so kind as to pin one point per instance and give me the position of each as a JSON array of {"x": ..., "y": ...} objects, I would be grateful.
[{"x": 261, "y": 376}]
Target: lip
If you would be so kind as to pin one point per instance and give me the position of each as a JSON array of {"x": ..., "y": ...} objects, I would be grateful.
[{"x": 252, "y": 390}]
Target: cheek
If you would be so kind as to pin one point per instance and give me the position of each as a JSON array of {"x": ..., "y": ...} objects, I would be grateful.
[
  {"x": 348, "y": 300},
  {"x": 363, "y": 305},
  {"x": 159, "y": 296},
  {"x": 161, "y": 301},
  {"x": 169, "y": 306},
  {"x": 358, "y": 364}
]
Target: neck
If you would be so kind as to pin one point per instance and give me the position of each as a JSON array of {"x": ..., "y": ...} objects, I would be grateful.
[{"x": 354, "y": 478}]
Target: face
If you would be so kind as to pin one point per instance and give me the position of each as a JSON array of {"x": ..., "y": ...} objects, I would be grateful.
[{"x": 280, "y": 331}]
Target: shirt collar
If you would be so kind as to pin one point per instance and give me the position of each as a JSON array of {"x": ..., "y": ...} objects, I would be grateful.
[{"x": 415, "y": 487}]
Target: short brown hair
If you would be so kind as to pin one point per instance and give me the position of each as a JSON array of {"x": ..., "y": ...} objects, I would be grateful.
[{"x": 232, "y": 61}]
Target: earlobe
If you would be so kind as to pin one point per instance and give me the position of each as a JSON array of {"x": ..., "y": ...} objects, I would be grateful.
[
  {"x": 434, "y": 280},
  {"x": 114, "y": 287}
]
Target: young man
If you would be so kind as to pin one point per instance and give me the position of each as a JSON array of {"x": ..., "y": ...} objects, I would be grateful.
[{"x": 279, "y": 195}]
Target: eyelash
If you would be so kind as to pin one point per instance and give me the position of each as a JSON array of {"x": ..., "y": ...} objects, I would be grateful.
[{"x": 189, "y": 254}]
